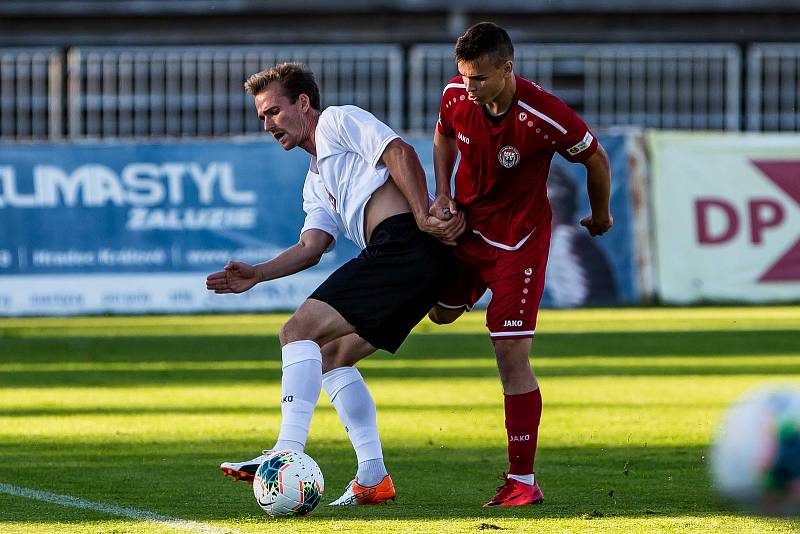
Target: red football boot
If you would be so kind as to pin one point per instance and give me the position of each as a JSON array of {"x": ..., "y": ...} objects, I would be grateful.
[{"x": 516, "y": 493}]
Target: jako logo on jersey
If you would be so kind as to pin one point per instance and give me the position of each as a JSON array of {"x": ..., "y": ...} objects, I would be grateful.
[
  {"x": 528, "y": 271},
  {"x": 508, "y": 156},
  {"x": 511, "y": 322},
  {"x": 523, "y": 116},
  {"x": 463, "y": 138},
  {"x": 525, "y": 437},
  {"x": 288, "y": 398}
]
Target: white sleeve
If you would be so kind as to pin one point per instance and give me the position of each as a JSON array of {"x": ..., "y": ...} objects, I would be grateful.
[
  {"x": 317, "y": 215},
  {"x": 361, "y": 132}
]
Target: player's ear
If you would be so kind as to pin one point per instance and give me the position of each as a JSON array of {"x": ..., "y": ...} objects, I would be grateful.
[
  {"x": 508, "y": 67},
  {"x": 305, "y": 102}
]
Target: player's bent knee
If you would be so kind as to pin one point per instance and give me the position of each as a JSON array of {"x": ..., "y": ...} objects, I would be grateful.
[
  {"x": 293, "y": 330},
  {"x": 315, "y": 321},
  {"x": 440, "y": 315}
]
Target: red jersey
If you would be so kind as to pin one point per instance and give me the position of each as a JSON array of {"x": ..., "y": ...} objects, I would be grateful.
[{"x": 501, "y": 180}]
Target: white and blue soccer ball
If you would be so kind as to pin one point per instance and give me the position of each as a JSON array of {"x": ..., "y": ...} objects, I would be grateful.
[
  {"x": 288, "y": 483},
  {"x": 755, "y": 456}
]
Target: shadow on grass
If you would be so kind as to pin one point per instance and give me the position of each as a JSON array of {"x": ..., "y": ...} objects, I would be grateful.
[
  {"x": 433, "y": 482},
  {"x": 581, "y": 484},
  {"x": 257, "y": 350},
  {"x": 223, "y": 348},
  {"x": 248, "y": 377},
  {"x": 260, "y": 409}
]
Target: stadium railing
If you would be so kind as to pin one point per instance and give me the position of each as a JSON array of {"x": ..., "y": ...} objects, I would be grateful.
[
  {"x": 154, "y": 92},
  {"x": 197, "y": 91},
  {"x": 773, "y": 87},
  {"x": 676, "y": 86},
  {"x": 31, "y": 100}
]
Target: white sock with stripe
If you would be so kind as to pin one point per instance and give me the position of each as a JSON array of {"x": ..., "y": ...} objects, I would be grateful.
[
  {"x": 356, "y": 408},
  {"x": 300, "y": 386}
]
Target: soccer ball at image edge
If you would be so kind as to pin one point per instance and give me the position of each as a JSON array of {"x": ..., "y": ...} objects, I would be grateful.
[
  {"x": 755, "y": 455},
  {"x": 288, "y": 483}
]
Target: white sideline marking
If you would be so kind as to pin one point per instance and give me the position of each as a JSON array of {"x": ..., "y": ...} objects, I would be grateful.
[{"x": 132, "y": 513}]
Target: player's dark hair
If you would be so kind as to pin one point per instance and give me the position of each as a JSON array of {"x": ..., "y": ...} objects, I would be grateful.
[
  {"x": 484, "y": 39},
  {"x": 294, "y": 78}
]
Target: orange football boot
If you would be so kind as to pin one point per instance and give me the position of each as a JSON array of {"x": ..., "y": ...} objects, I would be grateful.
[{"x": 356, "y": 494}]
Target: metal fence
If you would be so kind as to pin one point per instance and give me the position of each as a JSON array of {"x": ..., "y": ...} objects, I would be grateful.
[
  {"x": 197, "y": 91},
  {"x": 659, "y": 86},
  {"x": 773, "y": 87},
  {"x": 31, "y": 105},
  {"x": 152, "y": 92}
]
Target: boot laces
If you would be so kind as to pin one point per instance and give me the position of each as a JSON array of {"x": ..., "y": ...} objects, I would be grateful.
[{"x": 505, "y": 489}]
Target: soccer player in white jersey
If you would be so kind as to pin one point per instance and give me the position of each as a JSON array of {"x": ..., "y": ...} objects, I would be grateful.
[{"x": 366, "y": 183}]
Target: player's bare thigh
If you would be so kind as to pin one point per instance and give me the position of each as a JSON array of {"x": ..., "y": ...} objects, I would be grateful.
[
  {"x": 442, "y": 315},
  {"x": 317, "y": 321},
  {"x": 345, "y": 351}
]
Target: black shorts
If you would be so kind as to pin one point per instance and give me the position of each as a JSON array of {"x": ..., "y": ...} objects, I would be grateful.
[{"x": 388, "y": 288}]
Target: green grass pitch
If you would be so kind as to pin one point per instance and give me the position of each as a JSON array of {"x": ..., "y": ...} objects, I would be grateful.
[{"x": 137, "y": 413}]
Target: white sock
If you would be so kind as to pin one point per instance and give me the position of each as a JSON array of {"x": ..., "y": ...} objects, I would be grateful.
[
  {"x": 356, "y": 408},
  {"x": 300, "y": 386},
  {"x": 525, "y": 479}
]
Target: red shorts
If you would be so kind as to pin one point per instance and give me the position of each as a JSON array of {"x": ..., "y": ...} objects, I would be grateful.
[{"x": 516, "y": 278}]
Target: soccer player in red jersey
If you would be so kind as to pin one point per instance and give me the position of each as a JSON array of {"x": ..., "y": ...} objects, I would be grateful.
[{"x": 507, "y": 129}]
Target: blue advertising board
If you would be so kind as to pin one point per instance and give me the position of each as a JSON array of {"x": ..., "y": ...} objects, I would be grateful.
[
  {"x": 135, "y": 228},
  {"x": 168, "y": 207},
  {"x": 585, "y": 270}
]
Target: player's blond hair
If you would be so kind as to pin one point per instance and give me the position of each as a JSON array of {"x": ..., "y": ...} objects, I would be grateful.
[{"x": 294, "y": 78}]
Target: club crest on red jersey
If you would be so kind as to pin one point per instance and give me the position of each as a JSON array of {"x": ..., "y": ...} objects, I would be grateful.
[{"x": 508, "y": 156}]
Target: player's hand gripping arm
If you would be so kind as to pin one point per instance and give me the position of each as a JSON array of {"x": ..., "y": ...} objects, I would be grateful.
[
  {"x": 238, "y": 277},
  {"x": 598, "y": 183},
  {"x": 444, "y": 159},
  {"x": 403, "y": 164}
]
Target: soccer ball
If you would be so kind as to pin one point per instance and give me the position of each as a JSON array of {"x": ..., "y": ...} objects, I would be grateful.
[
  {"x": 755, "y": 457},
  {"x": 288, "y": 483}
]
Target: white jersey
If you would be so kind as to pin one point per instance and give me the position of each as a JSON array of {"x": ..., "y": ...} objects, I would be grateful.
[{"x": 350, "y": 142}]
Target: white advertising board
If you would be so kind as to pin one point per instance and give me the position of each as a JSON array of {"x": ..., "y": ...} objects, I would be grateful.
[
  {"x": 145, "y": 293},
  {"x": 726, "y": 216}
]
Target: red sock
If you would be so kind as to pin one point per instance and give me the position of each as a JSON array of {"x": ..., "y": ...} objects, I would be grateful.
[{"x": 523, "y": 413}]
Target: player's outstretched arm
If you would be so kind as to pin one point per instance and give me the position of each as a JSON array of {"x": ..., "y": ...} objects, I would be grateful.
[
  {"x": 598, "y": 183},
  {"x": 238, "y": 277}
]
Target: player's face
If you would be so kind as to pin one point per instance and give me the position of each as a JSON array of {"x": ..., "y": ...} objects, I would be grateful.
[
  {"x": 284, "y": 120},
  {"x": 484, "y": 78}
]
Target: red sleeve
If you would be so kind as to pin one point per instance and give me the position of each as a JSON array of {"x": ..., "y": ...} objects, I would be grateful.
[
  {"x": 573, "y": 138},
  {"x": 445, "y": 125}
]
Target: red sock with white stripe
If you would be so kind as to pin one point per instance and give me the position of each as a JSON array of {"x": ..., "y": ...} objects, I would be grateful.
[{"x": 523, "y": 413}]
